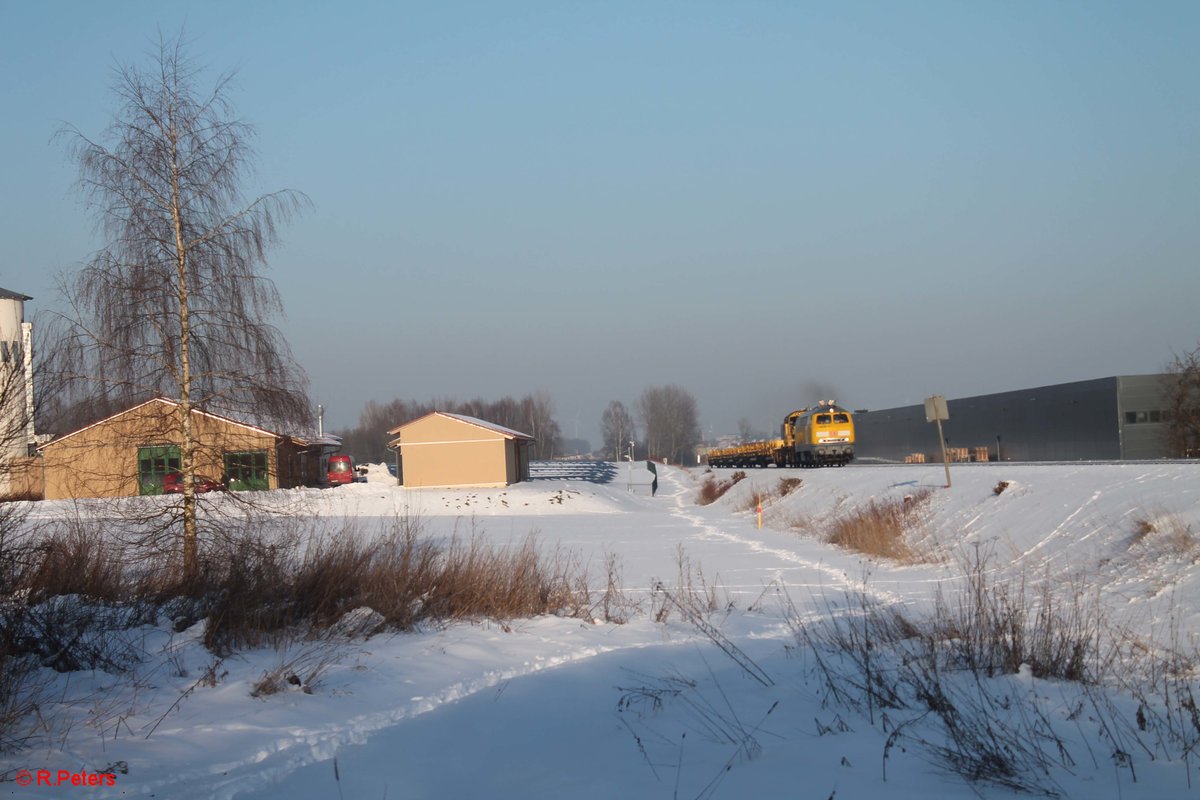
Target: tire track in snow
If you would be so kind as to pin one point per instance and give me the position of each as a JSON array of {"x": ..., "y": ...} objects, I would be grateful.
[{"x": 261, "y": 769}]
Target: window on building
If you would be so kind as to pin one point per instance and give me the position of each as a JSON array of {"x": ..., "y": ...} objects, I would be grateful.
[
  {"x": 153, "y": 463},
  {"x": 247, "y": 471}
]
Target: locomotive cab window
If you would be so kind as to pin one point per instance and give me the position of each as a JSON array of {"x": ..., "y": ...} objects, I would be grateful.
[
  {"x": 841, "y": 418},
  {"x": 824, "y": 419}
]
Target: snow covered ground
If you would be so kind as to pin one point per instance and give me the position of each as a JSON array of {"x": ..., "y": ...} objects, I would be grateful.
[{"x": 558, "y": 707}]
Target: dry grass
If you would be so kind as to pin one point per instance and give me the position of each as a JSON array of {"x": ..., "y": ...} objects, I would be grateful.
[
  {"x": 765, "y": 497},
  {"x": 995, "y": 627},
  {"x": 713, "y": 489},
  {"x": 299, "y": 668},
  {"x": 19, "y": 697},
  {"x": 1166, "y": 534},
  {"x": 802, "y": 523},
  {"x": 879, "y": 527},
  {"x": 73, "y": 561},
  {"x": 406, "y": 579},
  {"x": 788, "y": 485},
  {"x": 693, "y": 594},
  {"x": 876, "y": 660},
  {"x": 614, "y": 605},
  {"x": 252, "y": 588},
  {"x": 753, "y": 501}
]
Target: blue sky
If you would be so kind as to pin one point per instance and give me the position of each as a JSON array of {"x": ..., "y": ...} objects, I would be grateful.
[{"x": 763, "y": 202}]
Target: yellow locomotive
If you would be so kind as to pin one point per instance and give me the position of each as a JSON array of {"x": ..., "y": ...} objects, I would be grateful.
[{"x": 811, "y": 437}]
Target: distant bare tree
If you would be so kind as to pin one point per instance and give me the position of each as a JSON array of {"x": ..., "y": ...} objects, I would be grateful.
[
  {"x": 616, "y": 425},
  {"x": 748, "y": 433},
  {"x": 670, "y": 422},
  {"x": 367, "y": 441},
  {"x": 537, "y": 412},
  {"x": 175, "y": 304},
  {"x": 1182, "y": 391}
]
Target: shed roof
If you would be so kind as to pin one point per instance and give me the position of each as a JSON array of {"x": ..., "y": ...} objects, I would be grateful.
[
  {"x": 5, "y": 294},
  {"x": 507, "y": 433}
]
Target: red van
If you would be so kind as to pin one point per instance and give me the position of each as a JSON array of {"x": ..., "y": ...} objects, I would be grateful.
[{"x": 341, "y": 470}]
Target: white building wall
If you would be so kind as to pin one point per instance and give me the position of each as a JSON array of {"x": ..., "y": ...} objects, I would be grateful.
[{"x": 15, "y": 386}]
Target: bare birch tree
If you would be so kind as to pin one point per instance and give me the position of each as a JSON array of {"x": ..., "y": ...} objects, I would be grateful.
[{"x": 175, "y": 304}]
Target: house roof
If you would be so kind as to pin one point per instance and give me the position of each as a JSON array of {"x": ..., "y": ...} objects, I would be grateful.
[
  {"x": 172, "y": 404},
  {"x": 507, "y": 433},
  {"x": 5, "y": 294}
]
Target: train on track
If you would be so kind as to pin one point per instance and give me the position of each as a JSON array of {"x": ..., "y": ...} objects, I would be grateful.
[{"x": 820, "y": 436}]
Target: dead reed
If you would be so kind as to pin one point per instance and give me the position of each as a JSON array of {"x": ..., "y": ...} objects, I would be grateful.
[
  {"x": 252, "y": 587},
  {"x": 879, "y": 527},
  {"x": 713, "y": 488}
]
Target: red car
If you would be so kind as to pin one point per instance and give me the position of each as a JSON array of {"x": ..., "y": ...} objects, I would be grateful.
[
  {"x": 173, "y": 484},
  {"x": 342, "y": 470}
]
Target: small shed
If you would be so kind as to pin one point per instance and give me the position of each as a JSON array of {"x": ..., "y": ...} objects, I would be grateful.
[
  {"x": 445, "y": 450},
  {"x": 128, "y": 454}
]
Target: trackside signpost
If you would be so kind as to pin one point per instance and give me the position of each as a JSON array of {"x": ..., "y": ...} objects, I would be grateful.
[{"x": 936, "y": 410}]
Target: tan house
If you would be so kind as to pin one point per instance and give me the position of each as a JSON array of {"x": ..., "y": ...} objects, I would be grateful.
[
  {"x": 444, "y": 450},
  {"x": 128, "y": 454}
]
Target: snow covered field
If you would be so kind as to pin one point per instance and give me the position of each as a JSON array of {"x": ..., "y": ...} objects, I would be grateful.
[{"x": 732, "y": 707}]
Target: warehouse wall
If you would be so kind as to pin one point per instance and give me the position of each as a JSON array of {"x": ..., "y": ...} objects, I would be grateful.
[{"x": 1084, "y": 420}]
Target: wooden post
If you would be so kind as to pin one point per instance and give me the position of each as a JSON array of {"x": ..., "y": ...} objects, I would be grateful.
[
  {"x": 936, "y": 410},
  {"x": 945, "y": 459}
]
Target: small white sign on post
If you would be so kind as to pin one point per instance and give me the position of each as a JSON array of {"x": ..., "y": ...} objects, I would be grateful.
[{"x": 936, "y": 410}]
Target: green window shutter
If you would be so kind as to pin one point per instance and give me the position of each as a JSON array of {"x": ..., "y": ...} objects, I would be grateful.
[
  {"x": 248, "y": 471},
  {"x": 153, "y": 463}
]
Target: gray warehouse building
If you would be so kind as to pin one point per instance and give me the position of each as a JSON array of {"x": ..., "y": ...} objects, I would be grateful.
[{"x": 1104, "y": 419}]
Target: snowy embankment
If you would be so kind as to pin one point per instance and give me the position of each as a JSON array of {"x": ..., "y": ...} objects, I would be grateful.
[{"x": 709, "y": 694}]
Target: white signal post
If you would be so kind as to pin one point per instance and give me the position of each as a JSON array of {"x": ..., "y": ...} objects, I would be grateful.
[
  {"x": 936, "y": 410},
  {"x": 630, "y": 457}
]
